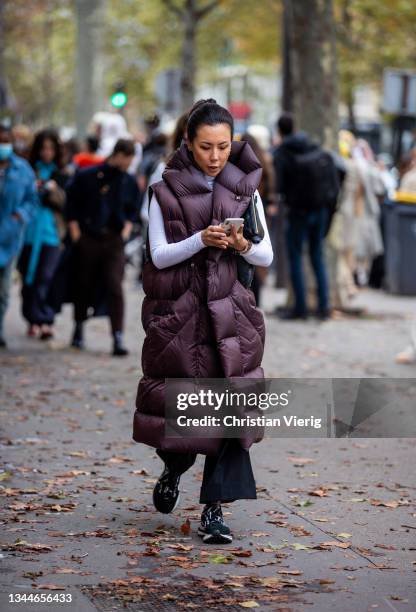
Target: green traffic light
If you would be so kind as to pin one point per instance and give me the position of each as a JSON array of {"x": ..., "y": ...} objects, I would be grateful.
[{"x": 119, "y": 99}]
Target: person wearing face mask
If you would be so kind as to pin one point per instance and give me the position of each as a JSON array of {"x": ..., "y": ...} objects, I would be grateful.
[{"x": 18, "y": 203}]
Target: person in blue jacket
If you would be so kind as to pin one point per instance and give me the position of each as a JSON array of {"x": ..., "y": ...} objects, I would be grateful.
[
  {"x": 18, "y": 203},
  {"x": 42, "y": 244}
]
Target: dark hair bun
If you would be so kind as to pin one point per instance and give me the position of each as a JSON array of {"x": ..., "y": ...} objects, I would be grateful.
[
  {"x": 207, "y": 112},
  {"x": 200, "y": 103}
]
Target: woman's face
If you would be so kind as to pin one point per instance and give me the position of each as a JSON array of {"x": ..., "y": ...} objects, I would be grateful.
[
  {"x": 47, "y": 152},
  {"x": 211, "y": 147}
]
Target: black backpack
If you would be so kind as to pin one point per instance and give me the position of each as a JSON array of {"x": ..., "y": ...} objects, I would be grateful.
[{"x": 315, "y": 182}]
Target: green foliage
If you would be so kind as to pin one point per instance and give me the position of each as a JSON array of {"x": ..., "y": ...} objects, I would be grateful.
[
  {"x": 39, "y": 58},
  {"x": 142, "y": 37},
  {"x": 373, "y": 35}
]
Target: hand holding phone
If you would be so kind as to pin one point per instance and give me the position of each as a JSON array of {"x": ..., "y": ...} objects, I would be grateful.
[{"x": 236, "y": 222}]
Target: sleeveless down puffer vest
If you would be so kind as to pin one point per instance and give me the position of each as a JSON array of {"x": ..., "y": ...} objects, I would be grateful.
[{"x": 200, "y": 322}]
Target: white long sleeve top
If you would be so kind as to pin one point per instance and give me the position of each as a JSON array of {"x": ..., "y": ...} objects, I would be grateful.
[{"x": 165, "y": 254}]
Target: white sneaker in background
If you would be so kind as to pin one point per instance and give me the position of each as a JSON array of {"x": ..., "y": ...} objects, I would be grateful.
[{"x": 407, "y": 356}]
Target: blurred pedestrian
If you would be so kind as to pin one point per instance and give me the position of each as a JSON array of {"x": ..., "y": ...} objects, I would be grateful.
[
  {"x": 153, "y": 154},
  {"x": 88, "y": 157},
  {"x": 408, "y": 179},
  {"x": 71, "y": 148},
  {"x": 267, "y": 193},
  {"x": 173, "y": 143},
  {"x": 138, "y": 155},
  {"x": 368, "y": 197},
  {"x": 343, "y": 233},
  {"x": 22, "y": 140},
  {"x": 18, "y": 203},
  {"x": 307, "y": 183},
  {"x": 192, "y": 293},
  {"x": 388, "y": 174},
  {"x": 40, "y": 255},
  {"x": 102, "y": 205}
]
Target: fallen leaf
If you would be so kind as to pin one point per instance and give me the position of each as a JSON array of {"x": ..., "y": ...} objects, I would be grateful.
[
  {"x": 49, "y": 587},
  {"x": 297, "y": 531},
  {"x": 186, "y": 527},
  {"x": 184, "y": 547},
  {"x": 83, "y": 454},
  {"x": 319, "y": 492},
  {"x": 326, "y": 545},
  {"x": 249, "y": 604},
  {"x": 219, "y": 559},
  {"x": 118, "y": 459},
  {"x": 298, "y": 546},
  {"x": 300, "y": 461},
  {"x": 388, "y": 504}
]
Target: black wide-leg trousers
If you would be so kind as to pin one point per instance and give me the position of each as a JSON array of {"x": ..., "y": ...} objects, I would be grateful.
[{"x": 227, "y": 476}]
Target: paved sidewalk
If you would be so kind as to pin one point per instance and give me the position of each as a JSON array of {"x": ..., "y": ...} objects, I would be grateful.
[{"x": 334, "y": 526}]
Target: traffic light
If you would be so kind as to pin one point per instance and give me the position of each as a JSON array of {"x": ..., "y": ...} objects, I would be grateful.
[{"x": 119, "y": 96}]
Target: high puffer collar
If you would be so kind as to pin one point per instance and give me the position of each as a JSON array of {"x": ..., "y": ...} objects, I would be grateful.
[{"x": 241, "y": 174}]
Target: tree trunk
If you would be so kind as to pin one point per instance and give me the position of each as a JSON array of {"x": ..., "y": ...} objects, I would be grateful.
[
  {"x": 89, "y": 64},
  {"x": 287, "y": 81},
  {"x": 3, "y": 84},
  {"x": 350, "y": 107},
  {"x": 47, "y": 72},
  {"x": 189, "y": 55},
  {"x": 313, "y": 54}
]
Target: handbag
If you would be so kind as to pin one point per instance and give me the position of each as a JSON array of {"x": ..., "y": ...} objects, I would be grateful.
[{"x": 254, "y": 231}]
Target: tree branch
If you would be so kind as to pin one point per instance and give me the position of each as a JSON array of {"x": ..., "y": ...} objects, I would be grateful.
[
  {"x": 172, "y": 7},
  {"x": 203, "y": 11}
]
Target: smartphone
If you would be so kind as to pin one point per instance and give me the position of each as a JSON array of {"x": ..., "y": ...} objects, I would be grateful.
[{"x": 227, "y": 223}]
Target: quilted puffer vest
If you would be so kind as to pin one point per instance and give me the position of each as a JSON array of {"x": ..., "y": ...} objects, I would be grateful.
[{"x": 199, "y": 320}]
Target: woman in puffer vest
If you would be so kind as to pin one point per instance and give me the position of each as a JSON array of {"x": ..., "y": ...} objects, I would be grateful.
[{"x": 200, "y": 321}]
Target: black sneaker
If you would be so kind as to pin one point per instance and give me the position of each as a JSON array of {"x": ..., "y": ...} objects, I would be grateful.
[
  {"x": 119, "y": 350},
  {"x": 78, "y": 336},
  {"x": 293, "y": 315},
  {"x": 212, "y": 529},
  {"x": 166, "y": 492}
]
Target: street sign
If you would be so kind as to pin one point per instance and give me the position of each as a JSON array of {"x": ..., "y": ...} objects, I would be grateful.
[
  {"x": 168, "y": 91},
  {"x": 399, "y": 95}
]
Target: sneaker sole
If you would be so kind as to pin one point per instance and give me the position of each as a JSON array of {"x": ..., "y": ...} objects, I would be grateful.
[{"x": 210, "y": 538}]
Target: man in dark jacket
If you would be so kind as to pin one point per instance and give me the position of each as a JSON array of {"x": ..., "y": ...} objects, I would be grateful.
[
  {"x": 307, "y": 183},
  {"x": 102, "y": 205}
]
